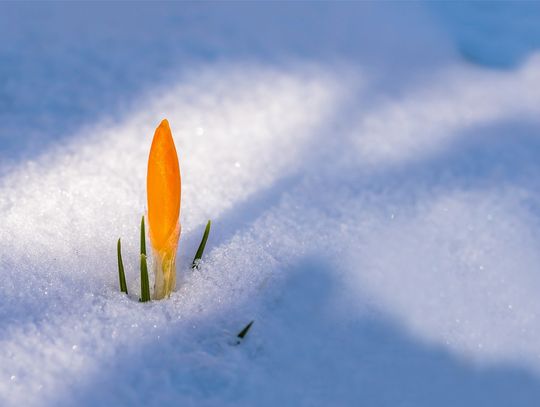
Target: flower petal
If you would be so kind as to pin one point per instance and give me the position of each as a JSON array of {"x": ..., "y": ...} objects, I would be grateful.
[{"x": 163, "y": 189}]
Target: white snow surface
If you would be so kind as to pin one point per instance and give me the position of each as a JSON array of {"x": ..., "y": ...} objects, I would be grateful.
[{"x": 375, "y": 199}]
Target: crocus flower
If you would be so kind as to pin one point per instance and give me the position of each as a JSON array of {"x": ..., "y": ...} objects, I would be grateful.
[{"x": 163, "y": 187}]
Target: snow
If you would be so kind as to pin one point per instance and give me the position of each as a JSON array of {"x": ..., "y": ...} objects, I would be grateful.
[{"x": 373, "y": 190}]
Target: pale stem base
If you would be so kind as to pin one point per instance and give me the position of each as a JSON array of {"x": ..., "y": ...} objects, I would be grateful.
[{"x": 165, "y": 274}]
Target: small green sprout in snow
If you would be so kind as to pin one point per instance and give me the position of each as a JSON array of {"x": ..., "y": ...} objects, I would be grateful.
[
  {"x": 244, "y": 331},
  {"x": 145, "y": 285},
  {"x": 200, "y": 250},
  {"x": 121, "y": 274}
]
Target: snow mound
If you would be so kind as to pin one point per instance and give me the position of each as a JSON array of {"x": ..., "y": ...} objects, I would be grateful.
[{"x": 382, "y": 235}]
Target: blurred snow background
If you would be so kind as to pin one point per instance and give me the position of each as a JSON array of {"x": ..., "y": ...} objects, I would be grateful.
[{"x": 372, "y": 171}]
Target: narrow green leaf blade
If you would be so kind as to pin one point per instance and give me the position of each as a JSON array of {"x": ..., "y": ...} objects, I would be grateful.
[
  {"x": 145, "y": 285},
  {"x": 200, "y": 250},
  {"x": 121, "y": 274},
  {"x": 143, "y": 237}
]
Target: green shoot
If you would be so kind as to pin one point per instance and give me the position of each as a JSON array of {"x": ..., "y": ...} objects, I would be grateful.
[
  {"x": 200, "y": 250},
  {"x": 143, "y": 237},
  {"x": 145, "y": 285},
  {"x": 244, "y": 331},
  {"x": 121, "y": 275}
]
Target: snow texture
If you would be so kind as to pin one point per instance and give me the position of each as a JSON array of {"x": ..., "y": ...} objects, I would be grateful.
[{"x": 371, "y": 170}]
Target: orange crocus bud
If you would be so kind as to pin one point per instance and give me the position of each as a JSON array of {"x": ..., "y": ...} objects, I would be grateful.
[{"x": 163, "y": 186}]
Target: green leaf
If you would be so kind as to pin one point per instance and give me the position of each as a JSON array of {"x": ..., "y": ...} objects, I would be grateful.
[
  {"x": 244, "y": 331},
  {"x": 145, "y": 285},
  {"x": 143, "y": 237},
  {"x": 200, "y": 250},
  {"x": 121, "y": 275}
]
